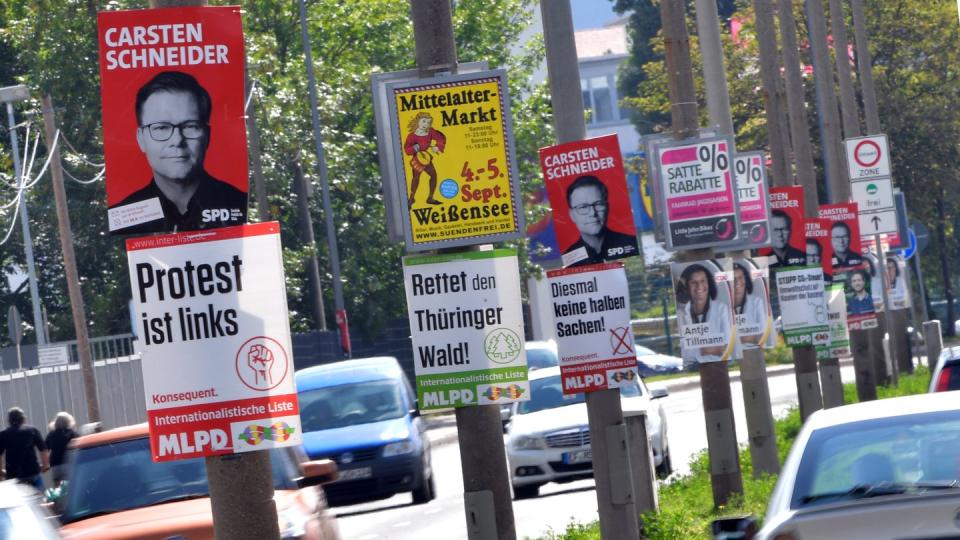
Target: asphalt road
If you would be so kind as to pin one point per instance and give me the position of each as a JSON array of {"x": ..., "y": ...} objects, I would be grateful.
[{"x": 398, "y": 519}]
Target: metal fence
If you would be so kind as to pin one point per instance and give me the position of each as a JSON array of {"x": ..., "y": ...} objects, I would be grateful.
[{"x": 42, "y": 392}]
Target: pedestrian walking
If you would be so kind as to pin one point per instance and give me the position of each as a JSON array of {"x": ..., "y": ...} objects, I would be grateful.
[
  {"x": 17, "y": 445},
  {"x": 58, "y": 438}
]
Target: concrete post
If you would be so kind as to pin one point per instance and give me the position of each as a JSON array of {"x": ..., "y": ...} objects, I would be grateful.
[
  {"x": 934, "y": 341},
  {"x": 644, "y": 477}
]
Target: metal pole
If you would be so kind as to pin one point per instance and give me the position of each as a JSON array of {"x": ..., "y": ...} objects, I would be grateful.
[
  {"x": 38, "y": 325},
  {"x": 827, "y": 111},
  {"x": 300, "y": 188},
  {"x": 796, "y": 103},
  {"x": 865, "y": 64},
  {"x": 756, "y": 394},
  {"x": 618, "y": 514},
  {"x": 725, "y": 477},
  {"x": 773, "y": 94},
  {"x": 322, "y": 166},
  {"x": 920, "y": 284},
  {"x": 848, "y": 111},
  {"x": 259, "y": 183}
]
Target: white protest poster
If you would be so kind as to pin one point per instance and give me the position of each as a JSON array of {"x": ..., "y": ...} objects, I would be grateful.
[
  {"x": 751, "y": 306},
  {"x": 704, "y": 293},
  {"x": 217, "y": 364},
  {"x": 466, "y": 324},
  {"x": 839, "y": 333},
  {"x": 803, "y": 306},
  {"x": 591, "y": 312}
]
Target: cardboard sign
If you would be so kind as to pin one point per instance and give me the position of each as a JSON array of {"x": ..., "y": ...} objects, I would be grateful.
[
  {"x": 819, "y": 248},
  {"x": 217, "y": 358},
  {"x": 803, "y": 306},
  {"x": 844, "y": 234},
  {"x": 787, "y": 240},
  {"x": 839, "y": 346},
  {"x": 751, "y": 306},
  {"x": 466, "y": 324},
  {"x": 590, "y": 201},
  {"x": 753, "y": 198},
  {"x": 591, "y": 311},
  {"x": 704, "y": 296},
  {"x": 174, "y": 134},
  {"x": 699, "y": 196},
  {"x": 454, "y": 144}
]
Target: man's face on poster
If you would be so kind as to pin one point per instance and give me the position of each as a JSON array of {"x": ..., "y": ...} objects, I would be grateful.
[
  {"x": 699, "y": 288},
  {"x": 840, "y": 239},
  {"x": 813, "y": 252},
  {"x": 175, "y": 117},
  {"x": 857, "y": 283},
  {"x": 891, "y": 271},
  {"x": 781, "y": 232},
  {"x": 588, "y": 210}
]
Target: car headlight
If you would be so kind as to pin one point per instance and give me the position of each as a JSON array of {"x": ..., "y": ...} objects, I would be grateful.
[
  {"x": 524, "y": 442},
  {"x": 293, "y": 523},
  {"x": 398, "y": 448}
]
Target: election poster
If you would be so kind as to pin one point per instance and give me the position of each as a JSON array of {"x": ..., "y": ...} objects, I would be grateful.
[
  {"x": 872, "y": 265},
  {"x": 591, "y": 313},
  {"x": 754, "y": 201},
  {"x": 703, "y": 291},
  {"x": 698, "y": 193},
  {"x": 803, "y": 306},
  {"x": 857, "y": 284},
  {"x": 454, "y": 144},
  {"x": 217, "y": 359},
  {"x": 787, "y": 239},
  {"x": 751, "y": 306},
  {"x": 466, "y": 325},
  {"x": 591, "y": 204},
  {"x": 174, "y": 134},
  {"x": 839, "y": 346},
  {"x": 844, "y": 234},
  {"x": 819, "y": 247},
  {"x": 897, "y": 282}
]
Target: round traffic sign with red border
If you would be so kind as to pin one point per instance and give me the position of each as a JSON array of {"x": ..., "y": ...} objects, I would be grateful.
[{"x": 862, "y": 156}]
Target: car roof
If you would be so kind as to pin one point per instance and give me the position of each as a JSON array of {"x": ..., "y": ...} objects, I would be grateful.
[
  {"x": 950, "y": 354},
  {"x": 548, "y": 344},
  {"x": 885, "y": 408},
  {"x": 552, "y": 371},
  {"x": 124, "y": 433},
  {"x": 359, "y": 370},
  {"x": 13, "y": 493}
]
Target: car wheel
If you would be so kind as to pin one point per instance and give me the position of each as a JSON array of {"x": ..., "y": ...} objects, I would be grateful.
[
  {"x": 426, "y": 492},
  {"x": 526, "y": 492},
  {"x": 665, "y": 467}
]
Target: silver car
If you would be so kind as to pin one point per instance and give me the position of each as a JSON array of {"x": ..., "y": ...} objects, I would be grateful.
[
  {"x": 881, "y": 469},
  {"x": 548, "y": 438}
]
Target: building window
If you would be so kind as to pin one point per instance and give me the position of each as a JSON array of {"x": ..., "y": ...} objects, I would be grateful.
[{"x": 600, "y": 99}]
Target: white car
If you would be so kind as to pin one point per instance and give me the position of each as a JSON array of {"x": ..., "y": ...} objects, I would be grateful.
[
  {"x": 879, "y": 469},
  {"x": 548, "y": 438}
]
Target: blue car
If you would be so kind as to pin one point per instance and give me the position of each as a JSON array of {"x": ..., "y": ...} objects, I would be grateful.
[{"x": 363, "y": 415}]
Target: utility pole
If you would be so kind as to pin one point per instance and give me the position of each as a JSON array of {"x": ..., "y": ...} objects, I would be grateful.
[
  {"x": 804, "y": 358},
  {"x": 70, "y": 263},
  {"x": 618, "y": 514},
  {"x": 9, "y": 95},
  {"x": 334, "y": 252},
  {"x": 725, "y": 476},
  {"x": 753, "y": 366},
  {"x": 796, "y": 104},
  {"x": 488, "y": 507},
  {"x": 302, "y": 191},
  {"x": 259, "y": 184},
  {"x": 241, "y": 485}
]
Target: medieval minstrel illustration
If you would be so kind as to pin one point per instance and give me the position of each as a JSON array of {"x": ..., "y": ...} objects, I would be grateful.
[{"x": 422, "y": 143}]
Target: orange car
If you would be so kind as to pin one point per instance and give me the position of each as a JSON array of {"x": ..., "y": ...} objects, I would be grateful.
[{"x": 116, "y": 492}]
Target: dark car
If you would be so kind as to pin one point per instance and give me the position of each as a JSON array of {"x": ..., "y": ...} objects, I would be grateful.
[
  {"x": 651, "y": 363},
  {"x": 946, "y": 375}
]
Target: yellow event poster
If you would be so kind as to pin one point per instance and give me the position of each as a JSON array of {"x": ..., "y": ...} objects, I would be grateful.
[{"x": 456, "y": 152}]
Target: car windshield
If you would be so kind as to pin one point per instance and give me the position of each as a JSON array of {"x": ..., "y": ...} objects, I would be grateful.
[
  {"x": 888, "y": 456},
  {"x": 538, "y": 358},
  {"x": 350, "y": 405},
  {"x": 547, "y": 393},
  {"x": 121, "y": 476}
]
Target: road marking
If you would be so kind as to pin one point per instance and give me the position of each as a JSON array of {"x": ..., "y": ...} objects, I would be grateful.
[{"x": 401, "y": 525}]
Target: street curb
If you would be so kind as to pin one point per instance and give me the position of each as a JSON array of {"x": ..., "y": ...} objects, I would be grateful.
[{"x": 686, "y": 383}]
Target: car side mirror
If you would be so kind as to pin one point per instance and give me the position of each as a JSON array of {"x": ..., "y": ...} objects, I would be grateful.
[
  {"x": 734, "y": 528},
  {"x": 317, "y": 473},
  {"x": 657, "y": 393}
]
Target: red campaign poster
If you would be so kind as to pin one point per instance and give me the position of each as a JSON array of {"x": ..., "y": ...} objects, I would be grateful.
[
  {"x": 787, "y": 239},
  {"x": 587, "y": 189},
  {"x": 819, "y": 248},
  {"x": 172, "y": 84},
  {"x": 844, "y": 234}
]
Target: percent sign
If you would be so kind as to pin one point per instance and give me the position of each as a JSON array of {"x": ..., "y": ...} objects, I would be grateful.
[
  {"x": 709, "y": 154},
  {"x": 746, "y": 168}
]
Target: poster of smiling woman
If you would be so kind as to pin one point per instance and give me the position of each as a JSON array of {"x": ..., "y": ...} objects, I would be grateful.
[{"x": 705, "y": 319}]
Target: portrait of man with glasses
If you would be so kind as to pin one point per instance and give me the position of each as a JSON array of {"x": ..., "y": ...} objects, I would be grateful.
[
  {"x": 173, "y": 119},
  {"x": 589, "y": 209}
]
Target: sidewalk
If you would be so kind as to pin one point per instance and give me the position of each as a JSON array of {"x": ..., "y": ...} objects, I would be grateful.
[{"x": 442, "y": 428}]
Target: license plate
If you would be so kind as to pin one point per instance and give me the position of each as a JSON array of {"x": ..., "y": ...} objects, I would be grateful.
[
  {"x": 579, "y": 456},
  {"x": 354, "y": 474}
]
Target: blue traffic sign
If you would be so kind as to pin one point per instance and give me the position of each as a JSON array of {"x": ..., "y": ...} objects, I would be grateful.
[{"x": 911, "y": 249}]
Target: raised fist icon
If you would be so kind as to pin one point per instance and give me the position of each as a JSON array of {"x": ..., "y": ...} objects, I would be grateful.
[{"x": 260, "y": 360}]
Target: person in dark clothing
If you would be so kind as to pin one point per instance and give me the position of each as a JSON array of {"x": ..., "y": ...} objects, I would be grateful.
[
  {"x": 60, "y": 434},
  {"x": 17, "y": 444}
]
